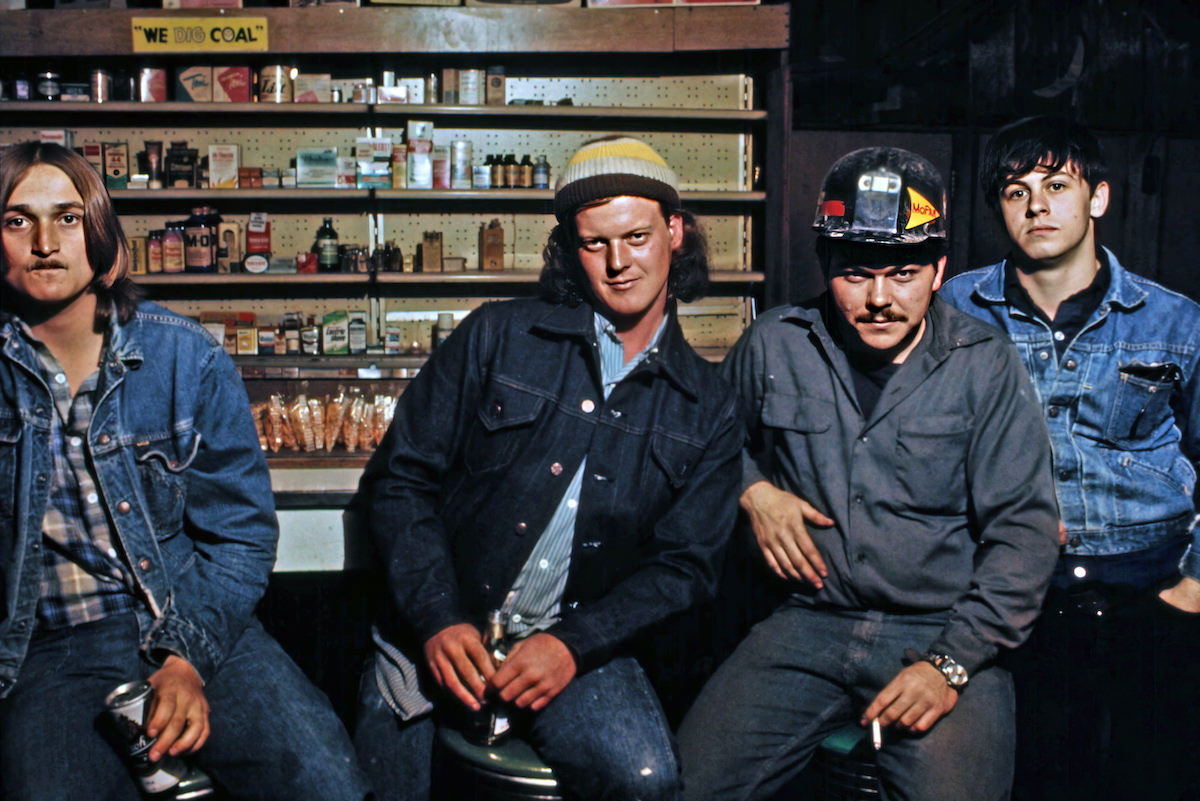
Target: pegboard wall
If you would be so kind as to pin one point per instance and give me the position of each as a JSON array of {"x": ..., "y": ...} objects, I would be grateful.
[{"x": 704, "y": 162}]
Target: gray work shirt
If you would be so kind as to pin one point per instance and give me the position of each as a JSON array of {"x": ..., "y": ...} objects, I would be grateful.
[{"x": 942, "y": 498}]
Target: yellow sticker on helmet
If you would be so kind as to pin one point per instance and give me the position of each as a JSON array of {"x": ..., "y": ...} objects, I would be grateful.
[{"x": 920, "y": 210}]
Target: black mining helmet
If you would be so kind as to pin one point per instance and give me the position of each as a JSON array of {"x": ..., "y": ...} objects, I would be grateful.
[{"x": 882, "y": 195}]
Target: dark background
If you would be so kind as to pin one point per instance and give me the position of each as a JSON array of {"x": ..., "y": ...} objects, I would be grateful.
[{"x": 939, "y": 77}]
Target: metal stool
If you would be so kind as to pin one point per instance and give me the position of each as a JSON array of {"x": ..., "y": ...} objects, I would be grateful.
[
  {"x": 510, "y": 771},
  {"x": 847, "y": 764}
]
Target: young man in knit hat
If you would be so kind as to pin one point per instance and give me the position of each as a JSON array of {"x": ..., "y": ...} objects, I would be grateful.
[{"x": 568, "y": 465}]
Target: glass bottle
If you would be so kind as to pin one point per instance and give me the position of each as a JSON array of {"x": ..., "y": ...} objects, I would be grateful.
[
  {"x": 326, "y": 247},
  {"x": 541, "y": 173},
  {"x": 492, "y": 724},
  {"x": 526, "y": 179},
  {"x": 172, "y": 252},
  {"x": 512, "y": 171},
  {"x": 197, "y": 250}
]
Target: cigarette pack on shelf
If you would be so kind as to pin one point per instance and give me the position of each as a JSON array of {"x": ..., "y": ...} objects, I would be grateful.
[
  {"x": 627, "y": 3},
  {"x": 194, "y": 84},
  {"x": 312, "y": 88},
  {"x": 417, "y": 2},
  {"x": 231, "y": 84},
  {"x": 524, "y": 2}
]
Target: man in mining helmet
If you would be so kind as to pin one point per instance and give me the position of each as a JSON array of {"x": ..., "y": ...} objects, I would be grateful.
[{"x": 896, "y": 473}]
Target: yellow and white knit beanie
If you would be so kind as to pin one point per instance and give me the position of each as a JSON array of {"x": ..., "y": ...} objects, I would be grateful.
[{"x": 615, "y": 165}]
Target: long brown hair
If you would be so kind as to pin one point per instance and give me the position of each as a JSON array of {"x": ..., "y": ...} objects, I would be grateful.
[{"x": 107, "y": 248}]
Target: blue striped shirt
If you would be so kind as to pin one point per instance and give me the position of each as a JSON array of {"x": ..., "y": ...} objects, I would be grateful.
[{"x": 535, "y": 601}]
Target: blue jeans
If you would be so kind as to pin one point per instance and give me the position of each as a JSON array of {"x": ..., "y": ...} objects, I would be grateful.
[
  {"x": 273, "y": 734},
  {"x": 802, "y": 674},
  {"x": 605, "y": 736}
]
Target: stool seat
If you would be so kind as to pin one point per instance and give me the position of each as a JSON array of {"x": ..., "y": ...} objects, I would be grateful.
[
  {"x": 848, "y": 771},
  {"x": 509, "y": 771}
]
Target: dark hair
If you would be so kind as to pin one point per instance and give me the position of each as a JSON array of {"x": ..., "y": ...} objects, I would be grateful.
[
  {"x": 867, "y": 253},
  {"x": 107, "y": 249},
  {"x": 1043, "y": 141},
  {"x": 563, "y": 280}
]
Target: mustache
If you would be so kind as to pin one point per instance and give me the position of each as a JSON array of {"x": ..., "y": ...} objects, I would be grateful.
[
  {"x": 47, "y": 264},
  {"x": 887, "y": 315}
]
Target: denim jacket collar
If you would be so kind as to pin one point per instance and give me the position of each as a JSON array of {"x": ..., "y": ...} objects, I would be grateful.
[
  {"x": 1123, "y": 292},
  {"x": 671, "y": 357}
]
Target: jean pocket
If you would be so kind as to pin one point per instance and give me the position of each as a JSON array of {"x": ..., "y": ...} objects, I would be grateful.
[{"x": 1142, "y": 403}]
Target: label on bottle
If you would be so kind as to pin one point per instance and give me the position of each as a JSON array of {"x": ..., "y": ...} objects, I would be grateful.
[{"x": 327, "y": 252}]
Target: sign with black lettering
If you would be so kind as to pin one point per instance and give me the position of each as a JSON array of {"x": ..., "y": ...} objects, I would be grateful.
[{"x": 199, "y": 34}]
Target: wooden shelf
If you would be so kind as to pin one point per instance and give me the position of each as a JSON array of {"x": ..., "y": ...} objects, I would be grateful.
[{"x": 45, "y": 33}]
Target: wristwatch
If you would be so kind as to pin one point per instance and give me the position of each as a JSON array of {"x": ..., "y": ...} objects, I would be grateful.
[{"x": 956, "y": 674}]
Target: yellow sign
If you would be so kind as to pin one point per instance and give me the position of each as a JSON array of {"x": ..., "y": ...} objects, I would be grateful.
[
  {"x": 920, "y": 210},
  {"x": 199, "y": 34}
]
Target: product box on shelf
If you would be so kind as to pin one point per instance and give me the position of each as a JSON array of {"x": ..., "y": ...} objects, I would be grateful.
[
  {"x": 251, "y": 177},
  {"x": 116, "y": 165},
  {"x": 627, "y": 3},
  {"x": 312, "y": 88},
  {"x": 563, "y": 3},
  {"x": 440, "y": 163},
  {"x": 223, "y": 166},
  {"x": 429, "y": 252},
  {"x": 137, "y": 255},
  {"x": 58, "y": 136},
  {"x": 231, "y": 84},
  {"x": 316, "y": 167},
  {"x": 94, "y": 153},
  {"x": 420, "y": 154},
  {"x": 491, "y": 246},
  {"x": 494, "y": 92},
  {"x": 229, "y": 246},
  {"x": 335, "y": 332},
  {"x": 346, "y": 172},
  {"x": 258, "y": 234},
  {"x": 194, "y": 84}
]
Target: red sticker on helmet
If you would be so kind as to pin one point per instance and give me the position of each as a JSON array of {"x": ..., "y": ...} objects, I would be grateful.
[
  {"x": 920, "y": 210},
  {"x": 833, "y": 208}
]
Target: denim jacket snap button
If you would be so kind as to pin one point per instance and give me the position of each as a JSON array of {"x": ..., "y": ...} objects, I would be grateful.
[
  {"x": 123, "y": 507},
  {"x": 556, "y": 469},
  {"x": 145, "y": 564},
  {"x": 521, "y": 528},
  {"x": 588, "y": 406}
]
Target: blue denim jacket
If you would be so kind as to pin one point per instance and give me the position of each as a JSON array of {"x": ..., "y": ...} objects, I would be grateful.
[
  {"x": 181, "y": 474},
  {"x": 1120, "y": 426},
  {"x": 485, "y": 440}
]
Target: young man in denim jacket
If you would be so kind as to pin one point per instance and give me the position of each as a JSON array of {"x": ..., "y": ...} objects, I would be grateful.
[
  {"x": 571, "y": 464},
  {"x": 137, "y": 527},
  {"x": 897, "y": 473},
  {"x": 1106, "y": 685}
]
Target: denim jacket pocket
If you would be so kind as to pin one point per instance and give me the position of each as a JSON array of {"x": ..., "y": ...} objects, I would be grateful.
[
  {"x": 504, "y": 421},
  {"x": 676, "y": 458},
  {"x": 10, "y": 442},
  {"x": 162, "y": 463},
  {"x": 1142, "y": 404},
  {"x": 931, "y": 461}
]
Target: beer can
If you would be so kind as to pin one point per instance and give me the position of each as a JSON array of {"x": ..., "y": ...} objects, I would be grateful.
[
  {"x": 152, "y": 85},
  {"x": 101, "y": 86},
  {"x": 471, "y": 87},
  {"x": 128, "y": 708},
  {"x": 48, "y": 87},
  {"x": 275, "y": 84}
]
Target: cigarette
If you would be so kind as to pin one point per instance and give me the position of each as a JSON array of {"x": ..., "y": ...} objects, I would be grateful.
[{"x": 876, "y": 734}]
